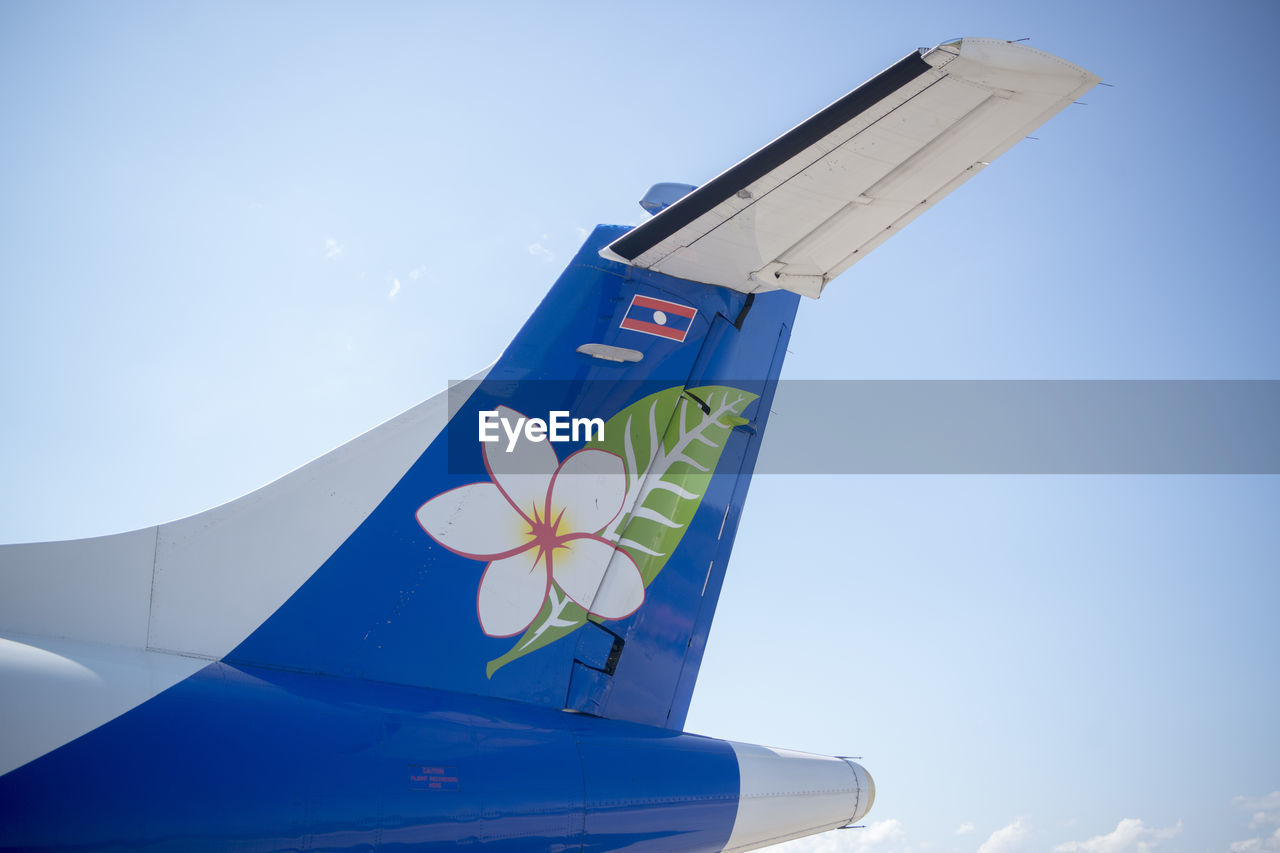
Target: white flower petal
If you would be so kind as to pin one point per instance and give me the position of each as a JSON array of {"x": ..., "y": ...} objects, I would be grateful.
[
  {"x": 603, "y": 580},
  {"x": 511, "y": 594},
  {"x": 523, "y": 474},
  {"x": 589, "y": 488},
  {"x": 622, "y": 591},
  {"x": 475, "y": 521}
]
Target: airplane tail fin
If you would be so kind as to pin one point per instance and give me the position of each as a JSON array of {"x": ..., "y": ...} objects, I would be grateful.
[{"x": 563, "y": 540}]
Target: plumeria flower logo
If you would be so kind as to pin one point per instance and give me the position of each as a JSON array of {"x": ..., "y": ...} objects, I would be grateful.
[{"x": 538, "y": 523}]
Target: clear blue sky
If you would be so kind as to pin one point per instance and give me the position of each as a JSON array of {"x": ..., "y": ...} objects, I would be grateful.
[{"x": 236, "y": 235}]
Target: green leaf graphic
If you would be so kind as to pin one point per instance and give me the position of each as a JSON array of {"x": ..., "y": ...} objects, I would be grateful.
[{"x": 670, "y": 448}]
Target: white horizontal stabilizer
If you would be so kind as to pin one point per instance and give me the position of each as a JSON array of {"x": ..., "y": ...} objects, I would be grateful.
[{"x": 813, "y": 202}]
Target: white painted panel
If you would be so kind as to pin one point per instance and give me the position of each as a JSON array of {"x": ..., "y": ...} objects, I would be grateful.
[
  {"x": 810, "y": 218},
  {"x": 202, "y": 584},
  {"x": 221, "y": 573},
  {"x": 785, "y": 794},
  {"x": 95, "y": 590},
  {"x": 57, "y": 690}
]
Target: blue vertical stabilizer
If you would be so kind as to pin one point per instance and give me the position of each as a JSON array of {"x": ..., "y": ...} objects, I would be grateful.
[{"x": 579, "y": 574}]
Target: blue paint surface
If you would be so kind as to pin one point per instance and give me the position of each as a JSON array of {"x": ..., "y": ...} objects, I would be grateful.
[{"x": 268, "y": 760}]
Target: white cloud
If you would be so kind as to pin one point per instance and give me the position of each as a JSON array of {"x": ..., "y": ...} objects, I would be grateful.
[
  {"x": 1266, "y": 809},
  {"x": 1006, "y": 839},
  {"x": 395, "y": 288},
  {"x": 418, "y": 272},
  {"x": 1257, "y": 845},
  {"x": 332, "y": 248},
  {"x": 965, "y": 828},
  {"x": 1266, "y": 812},
  {"x": 879, "y": 835},
  {"x": 540, "y": 251},
  {"x": 1129, "y": 834}
]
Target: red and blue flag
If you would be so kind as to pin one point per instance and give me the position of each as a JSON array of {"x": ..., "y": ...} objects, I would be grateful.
[{"x": 669, "y": 320}]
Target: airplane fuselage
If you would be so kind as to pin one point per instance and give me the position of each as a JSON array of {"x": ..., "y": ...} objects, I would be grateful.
[{"x": 256, "y": 759}]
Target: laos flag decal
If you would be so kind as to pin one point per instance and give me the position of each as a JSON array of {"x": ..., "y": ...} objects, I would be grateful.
[{"x": 659, "y": 317}]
